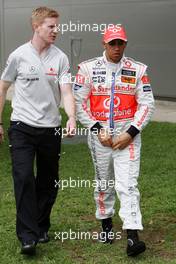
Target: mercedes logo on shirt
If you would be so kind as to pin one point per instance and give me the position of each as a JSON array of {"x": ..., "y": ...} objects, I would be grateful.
[{"x": 32, "y": 69}]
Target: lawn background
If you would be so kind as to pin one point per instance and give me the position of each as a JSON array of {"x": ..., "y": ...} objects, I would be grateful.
[{"x": 74, "y": 208}]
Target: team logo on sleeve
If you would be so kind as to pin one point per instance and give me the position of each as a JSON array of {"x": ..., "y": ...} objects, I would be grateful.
[
  {"x": 147, "y": 88},
  {"x": 77, "y": 87},
  {"x": 145, "y": 79}
]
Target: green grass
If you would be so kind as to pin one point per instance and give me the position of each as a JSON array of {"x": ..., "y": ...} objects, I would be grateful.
[{"x": 74, "y": 208}]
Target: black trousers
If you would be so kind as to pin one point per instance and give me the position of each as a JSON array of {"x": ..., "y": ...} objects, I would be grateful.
[{"x": 34, "y": 186}]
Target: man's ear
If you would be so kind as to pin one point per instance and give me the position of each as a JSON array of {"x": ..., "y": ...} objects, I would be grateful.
[
  {"x": 104, "y": 44},
  {"x": 35, "y": 26}
]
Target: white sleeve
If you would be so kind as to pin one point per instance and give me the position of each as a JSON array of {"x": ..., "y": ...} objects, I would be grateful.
[
  {"x": 10, "y": 72},
  {"x": 145, "y": 101},
  {"x": 64, "y": 74},
  {"x": 82, "y": 91}
]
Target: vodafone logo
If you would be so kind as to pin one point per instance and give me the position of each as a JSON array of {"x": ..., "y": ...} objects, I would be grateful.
[{"x": 106, "y": 102}]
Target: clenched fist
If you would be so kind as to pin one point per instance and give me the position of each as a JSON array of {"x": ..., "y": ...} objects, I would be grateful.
[
  {"x": 105, "y": 138},
  {"x": 122, "y": 141}
]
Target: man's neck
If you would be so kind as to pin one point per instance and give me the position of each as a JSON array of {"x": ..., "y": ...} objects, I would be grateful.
[{"x": 39, "y": 44}]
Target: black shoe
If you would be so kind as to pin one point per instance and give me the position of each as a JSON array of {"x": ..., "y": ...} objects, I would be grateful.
[
  {"x": 134, "y": 246},
  {"x": 28, "y": 247},
  {"x": 107, "y": 235},
  {"x": 44, "y": 238}
]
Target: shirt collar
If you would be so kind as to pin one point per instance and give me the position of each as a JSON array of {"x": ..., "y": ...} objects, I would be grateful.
[
  {"x": 43, "y": 55},
  {"x": 115, "y": 66}
]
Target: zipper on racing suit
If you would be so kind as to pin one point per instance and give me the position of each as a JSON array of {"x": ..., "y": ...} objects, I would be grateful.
[{"x": 111, "y": 114}]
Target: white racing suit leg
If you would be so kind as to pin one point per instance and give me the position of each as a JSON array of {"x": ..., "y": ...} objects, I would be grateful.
[
  {"x": 126, "y": 166},
  {"x": 104, "y": 176}
]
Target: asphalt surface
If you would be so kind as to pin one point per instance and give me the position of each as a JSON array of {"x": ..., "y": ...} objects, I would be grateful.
[{"x": 165, "y": 111}]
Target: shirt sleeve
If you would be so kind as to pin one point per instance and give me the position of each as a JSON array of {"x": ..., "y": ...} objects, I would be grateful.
[
  {"x": 82, "y": 92},
  {"x": 64, "y": 75},
  {"x": 10, "y": 72},
  {"x": 145, "y": 101}
]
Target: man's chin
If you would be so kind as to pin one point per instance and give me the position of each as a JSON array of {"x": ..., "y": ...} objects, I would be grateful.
[
  {"x": 51, "y": 41},
  {"x": 116, "y": 59}
]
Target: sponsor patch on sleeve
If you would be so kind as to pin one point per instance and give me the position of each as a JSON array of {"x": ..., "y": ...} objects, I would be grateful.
[
  {"x": 145, "y": 79},
  {"x": 147, "y": 88},
  {"x": 77, "y": 87}
]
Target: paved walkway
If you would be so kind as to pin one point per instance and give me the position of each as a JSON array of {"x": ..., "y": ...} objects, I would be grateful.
[{"x": 165, "y": 111}]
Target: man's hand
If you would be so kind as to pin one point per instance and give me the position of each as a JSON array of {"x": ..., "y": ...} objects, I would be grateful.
[
  {"x": 71, "y": 126},
  {"x": 104, "y": 138},
  {"x": 1, "y": 134},
  {"x": 122, "y": 141},
  {"x": 69, "y": 106},
  {"x": 3, "y": 91}
]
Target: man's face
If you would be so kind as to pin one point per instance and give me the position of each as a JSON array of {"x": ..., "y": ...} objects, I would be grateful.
[
  {"x": 47, "y": 30},
  {"x": 114, "y": 50}
]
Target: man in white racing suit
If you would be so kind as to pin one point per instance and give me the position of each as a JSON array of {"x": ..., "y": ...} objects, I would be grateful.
[{"x": 115, "y": 101}]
